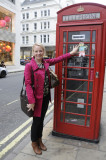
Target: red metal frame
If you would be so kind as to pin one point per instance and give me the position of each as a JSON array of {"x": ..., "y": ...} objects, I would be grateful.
[{"x": 84, "y": 132}]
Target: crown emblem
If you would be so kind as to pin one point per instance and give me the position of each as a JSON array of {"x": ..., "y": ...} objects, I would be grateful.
[{"x": 80, "y": 9}]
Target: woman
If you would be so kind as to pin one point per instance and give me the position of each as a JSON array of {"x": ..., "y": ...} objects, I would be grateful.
[{"x": 39, "y": 98}]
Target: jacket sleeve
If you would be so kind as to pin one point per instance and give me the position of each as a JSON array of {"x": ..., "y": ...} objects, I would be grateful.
[
  {"x": 58, "y": 59},
  {"x": 28, "y": 82}
]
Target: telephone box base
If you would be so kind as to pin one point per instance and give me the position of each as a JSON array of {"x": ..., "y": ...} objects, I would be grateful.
[{"x": 73, "y": 137}]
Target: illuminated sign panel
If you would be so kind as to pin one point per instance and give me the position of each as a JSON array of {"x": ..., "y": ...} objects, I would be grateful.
[{"x": 81, "y": 17}]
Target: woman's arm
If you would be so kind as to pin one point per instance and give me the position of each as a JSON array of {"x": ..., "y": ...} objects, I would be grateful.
[
  {"x": 63, "y": 57},
  {"x": 28, "y": 83}
]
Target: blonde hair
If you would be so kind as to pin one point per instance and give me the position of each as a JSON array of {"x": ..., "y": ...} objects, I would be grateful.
[{"x": 39, "y": 44}]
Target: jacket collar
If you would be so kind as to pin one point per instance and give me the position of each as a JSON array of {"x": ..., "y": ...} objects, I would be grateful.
[{"x": 35, "y": 66}]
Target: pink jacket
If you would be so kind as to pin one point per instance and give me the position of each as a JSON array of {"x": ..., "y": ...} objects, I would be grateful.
[{"x": 39, "y": 77}]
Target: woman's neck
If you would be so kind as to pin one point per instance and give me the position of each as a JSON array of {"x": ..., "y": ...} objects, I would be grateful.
[{"x": 38, "y": 61}]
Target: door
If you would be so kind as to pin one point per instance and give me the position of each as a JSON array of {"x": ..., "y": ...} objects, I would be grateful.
[{"x": 79, "y": 82}]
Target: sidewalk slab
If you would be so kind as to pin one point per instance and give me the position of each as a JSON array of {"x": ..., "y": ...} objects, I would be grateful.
[
  {"x": 60, "y": 148},
  {"x": 12, "y": 69}
]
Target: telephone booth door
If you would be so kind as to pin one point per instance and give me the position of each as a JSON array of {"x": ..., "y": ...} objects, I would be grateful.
[{"x": 78, "y": 91}]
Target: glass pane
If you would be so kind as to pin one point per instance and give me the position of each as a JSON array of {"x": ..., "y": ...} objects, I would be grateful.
[
  {"x": 90, "y": 86},
  {"x": 63, "y": 84},
  {"x": 90, "y": 99},
  {"x": 91, "y": 74},
  {"x": 62, "y": 95},
  {"x": 88, "y": 122},
  {"x": 78, "y": 73},
  {"x": 78, "y": 61},
  {"x": 93, "y": 36},
  {"x": 62, "y": 106},
  {"x": 64, "y": 36},
  {"x": 89, "y": 110},
  {"x": 75, "y": 119},
  {"x": 76, "y": 97},
  {"x": 63, "y": 72},
  {"x": 61, "y": 116},
  {"x": 77, "y": 85},
  {"x": 92, "y": 61},
  {"x": 93, "y": 49},
  {"x": 75, "y": 108},
  {"x": 79, "y": 36},
  {"x": 87, "y": 49},
  {"x": 64, "y": 48}
]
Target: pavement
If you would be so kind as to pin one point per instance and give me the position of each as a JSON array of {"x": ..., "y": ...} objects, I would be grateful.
[
  {"x": 14, "y": 68},
  {"x": 68, "y": 149}
]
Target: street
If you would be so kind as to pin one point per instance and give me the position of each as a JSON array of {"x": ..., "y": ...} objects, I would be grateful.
[{"x": 14, "y": 124}]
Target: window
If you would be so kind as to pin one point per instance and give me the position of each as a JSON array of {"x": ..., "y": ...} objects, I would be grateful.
[
  {"x": 41, "y": 13},
  {"x": 23, "y": 15},
  {"x": 41, "y": 38},
  {"x": 48, "y": 12},
  {"x": 48, "y": 38},
  {"x": 48, "y": 24},
  {"x": 35, "y": 14},
  {"x": 41, "y": 25},
  {"x": 23, "y": 27},
  {"x": 44, "y": 25},
  {"x": 23, "y": 40},
  {"x": 44, "y": 38},
  {"x": 27, "y": 27},
  {"x": 35, "y": 26},
  {"x": 45, "y": 13},
  {"x": 34, "y": 39},
  {"x": 27, "y": 39},
  {"x": 27, "y": 15},
  {"x": 44, "y": 4}
]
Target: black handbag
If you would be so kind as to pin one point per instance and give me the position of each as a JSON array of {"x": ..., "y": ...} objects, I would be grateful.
[
  {"x": 24, "y": 99},
  {"x": 53, "y": 78}
]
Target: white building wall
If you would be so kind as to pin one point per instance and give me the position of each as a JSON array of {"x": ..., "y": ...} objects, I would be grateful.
[{"x": 54, "y": 6}]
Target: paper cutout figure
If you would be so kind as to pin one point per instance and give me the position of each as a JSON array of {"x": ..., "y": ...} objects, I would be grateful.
[{"x": 82, "y": 48}]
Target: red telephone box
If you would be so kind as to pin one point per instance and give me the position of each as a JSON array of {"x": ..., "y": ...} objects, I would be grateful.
[{"x": 78, "y": 98}]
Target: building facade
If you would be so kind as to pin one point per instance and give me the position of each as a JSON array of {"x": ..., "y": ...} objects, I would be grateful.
[
  {"x": 10, "y": 32},
  {"x": 38, "y": 24}
]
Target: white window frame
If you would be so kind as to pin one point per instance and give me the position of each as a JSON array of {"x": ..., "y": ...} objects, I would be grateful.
[
  {"x": 44, "y": 25},
  {"x": 27, "y": 39},
  {"x": 35, "y": 38},
  {"x": 27, "y": 27},
  {"x": 23, "y": 27},
  {"x": 23, "y": 16},
  {"x": 48, "y": 38},
  {"x": 23, "y": 39},
  {"x": 48, "y": 12},
  {"x": 41, "y": 38},
  {"x": 44, "y": 38},
  {"x": 35, "y": 14},
  {"x": 27, "y": 15},
  {"x": 41, "y": 25},
  {"x": 45, "y": 13},
  {"x": 41, "y": 13},
  {"x": 48, "y": 24},
  {"x": 35, "y": 26}
]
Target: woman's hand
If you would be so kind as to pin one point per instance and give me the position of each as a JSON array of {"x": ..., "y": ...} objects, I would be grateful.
[
  {"x": 75, "y": 50},
  {"x": 31, "y": 107}
]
